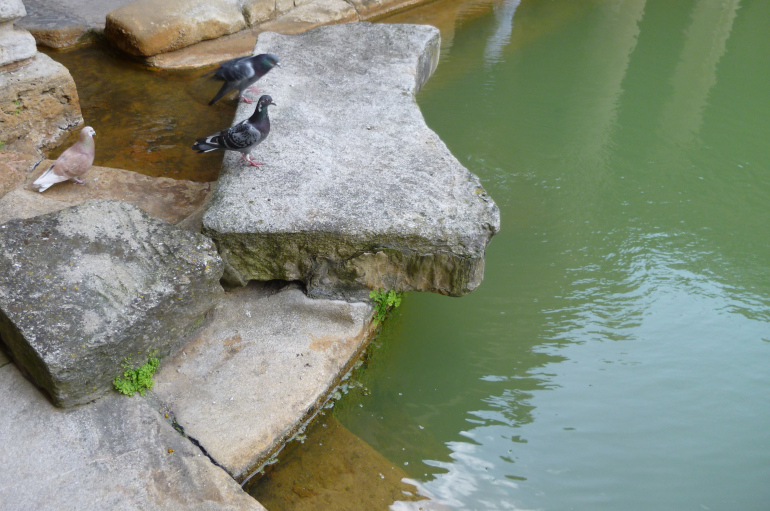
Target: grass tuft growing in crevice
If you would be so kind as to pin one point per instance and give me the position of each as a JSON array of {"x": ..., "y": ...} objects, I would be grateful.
[{"x": 136, "y": 380}]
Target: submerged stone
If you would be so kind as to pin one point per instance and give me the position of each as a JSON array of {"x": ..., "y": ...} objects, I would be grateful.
[
  {"x": 357, "y": 192},
  {"x": 86, "y": 288}
]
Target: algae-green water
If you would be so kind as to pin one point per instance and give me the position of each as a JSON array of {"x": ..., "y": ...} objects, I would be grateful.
[{"x": 617, "y": 354}]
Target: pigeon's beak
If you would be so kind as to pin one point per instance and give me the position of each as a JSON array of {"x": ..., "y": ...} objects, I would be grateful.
[
  {"x": 278, "y": 64},
  {"x": 273, "y": 103}
]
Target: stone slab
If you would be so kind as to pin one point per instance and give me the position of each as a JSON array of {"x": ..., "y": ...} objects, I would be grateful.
[
  {"x": 172, "y": 200},
  {"x": 146, "y": 27},
  {"x": 118, "y": 454},
  {"x": 39, "y": 105},
  {"x": 267, "y": 360},
  {"x": 15, "y": 45},
  {"x": 84, "y": 289},
  {"x": 357, "y": 192}
]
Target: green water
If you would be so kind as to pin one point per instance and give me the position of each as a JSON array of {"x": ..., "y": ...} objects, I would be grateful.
[{"x": 616, "y": 356}]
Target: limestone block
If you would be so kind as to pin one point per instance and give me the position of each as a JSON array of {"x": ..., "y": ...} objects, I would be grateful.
[
  {"x": 290, "y": 347},
  {"x": 11, "y": 10},
  {"x": 147, "y": 27},
  {"x": 15, "y": 45},
  {"x": 311, "y": 15},
  {"x": 172, "y": 200},
  {"x": 370, "y": 8},
  {"x": 39, "y": 105},
  {"x": 282, "y": 6},
  {"x": 357, "y": 192},
  {"x": 115, "y": 454},
  {"x": 85, "y": 288},
  {"x": 259, "y": 11}
]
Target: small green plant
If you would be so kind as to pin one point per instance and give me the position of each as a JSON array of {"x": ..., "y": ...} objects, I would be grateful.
[
  {"x": 136, "y": 380},
  {"x": 18, "y": 106},
  {"x": 384, "y": 302}
]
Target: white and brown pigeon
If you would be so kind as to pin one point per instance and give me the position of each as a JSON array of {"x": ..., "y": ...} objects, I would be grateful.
[
  {"x": 242, "y": 137},
  {"x": 71, "y": 164},
  {"x": 242, "y": 72}
]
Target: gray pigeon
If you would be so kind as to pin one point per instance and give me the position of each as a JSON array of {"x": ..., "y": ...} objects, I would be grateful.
[
  {"x": 244, "y": 136},
  {"x": 242, "y": 73},
  {"x": 71, "y": 164}
]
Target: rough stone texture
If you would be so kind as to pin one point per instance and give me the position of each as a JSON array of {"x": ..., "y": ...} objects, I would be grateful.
[
  {"x": 311, "y": 15},
  {"x": 258, "y": 11},
  {"x": 14, "y": 169},
  {"x": 357, "y": 192},
  {"x": 172, "y": 200},
  {"x": 15, "y": 45},
  {"x": 87, "y": 287},
  {"x": 39, "y": 105},
  {"x": 148, "y": 27},
  {"x": 65, "y": 23},
  {"x": 266, "y": 360},
  {"x": 368, "y": 9},
  {"x": 111, "y": 455}
]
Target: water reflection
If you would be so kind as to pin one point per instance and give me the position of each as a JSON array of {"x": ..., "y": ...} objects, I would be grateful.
[{"x": 613, "y": 358}]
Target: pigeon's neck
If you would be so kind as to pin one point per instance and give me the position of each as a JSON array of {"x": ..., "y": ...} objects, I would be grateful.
[
  {"x": 86, "y": 141},
  {"x": 259, "y": 115}
]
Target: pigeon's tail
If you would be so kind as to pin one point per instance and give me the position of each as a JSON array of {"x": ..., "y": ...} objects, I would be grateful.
[
  {"x": 206, "y": 144},
  {"x": 224, "y": 90},
  {"x": 47, "y": 179}
]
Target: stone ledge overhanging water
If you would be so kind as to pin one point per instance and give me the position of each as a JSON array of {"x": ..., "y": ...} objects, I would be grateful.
[{"x": 357, "y": 193}]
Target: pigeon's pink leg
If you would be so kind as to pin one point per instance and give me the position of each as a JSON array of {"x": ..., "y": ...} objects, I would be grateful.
[
  {"x": 253, "y": 89},
  {"x": 79, "y": 181},
  {"x": 252, "y": 162}
]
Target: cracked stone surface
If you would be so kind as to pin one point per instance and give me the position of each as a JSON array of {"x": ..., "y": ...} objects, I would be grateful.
[
  {"x": 118, "y": 454},
  {"x": 267, "y": 359}
]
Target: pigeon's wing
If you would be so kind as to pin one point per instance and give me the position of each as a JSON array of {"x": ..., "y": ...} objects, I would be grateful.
[
  {"x": 238, "y": 71},
  {"x": 241, "y": 136},
  {"x": 73, "y": 162}
]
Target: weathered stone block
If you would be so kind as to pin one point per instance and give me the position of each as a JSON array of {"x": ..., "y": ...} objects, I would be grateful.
[
  {"x": 11, "y": 10},
  {"x": 370, "y": 8},
  {"x": 357, "y": 192},
  {"x": 292, "y": 348},
  {"x": 311, "y": 15},
  {"x": 87, "y": 287},
  {"x": 15, "y": 45},
  {"x": 258, "y": 11},
  {"x": 171, "y": 200},
  {"x": 147, "y": 27},
  {"x": 39, "y": 105}
]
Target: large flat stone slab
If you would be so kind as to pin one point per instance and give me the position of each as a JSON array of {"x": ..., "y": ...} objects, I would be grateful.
[
  {"x": 357, "y": 193},
  {"x": 172, "y": 200},
  {"x": 266, "y": 361},
  {"x": 118, "y": 454},
  {"x": 83, "y": 289}
]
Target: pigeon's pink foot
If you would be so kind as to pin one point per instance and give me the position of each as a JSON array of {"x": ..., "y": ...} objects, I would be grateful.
[
  {"x": 79, "y": 181},
  {"x": 253, "y": 89},
  {"x": 247, "y": 100},
  {"x": 253, "y": 163}
]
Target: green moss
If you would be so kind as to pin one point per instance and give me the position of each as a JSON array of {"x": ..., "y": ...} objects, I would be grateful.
[
  {"x": 384, "y": 302},
  {"x": 136, "y": 380}
]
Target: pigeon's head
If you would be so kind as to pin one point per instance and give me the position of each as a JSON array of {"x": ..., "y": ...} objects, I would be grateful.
[
  {"x": 269, "y": 60},
  {"x": 88, "y": 130},
  {"x": 263, "y": 102}
]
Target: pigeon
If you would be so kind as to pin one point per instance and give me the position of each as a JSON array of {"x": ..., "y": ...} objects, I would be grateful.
[
  {"x": 241, "y": 73},
  {"x": 71, "y": 164},
  {"x": 242, "y": 137}
]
